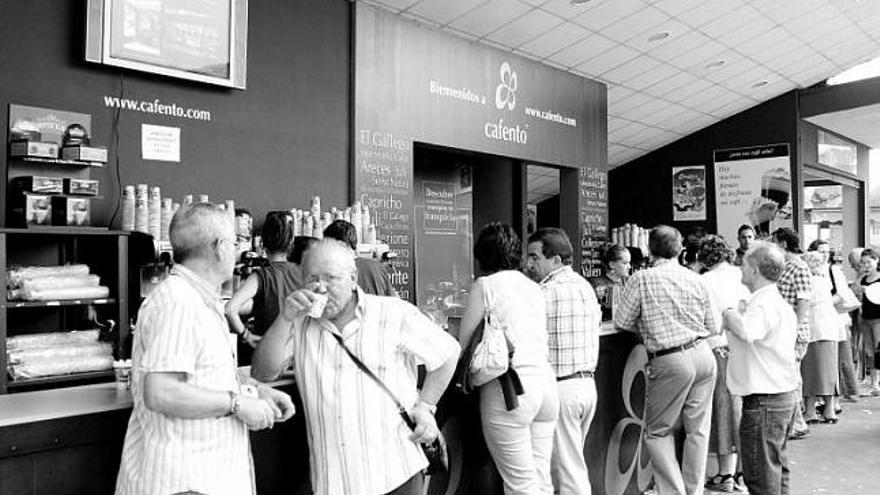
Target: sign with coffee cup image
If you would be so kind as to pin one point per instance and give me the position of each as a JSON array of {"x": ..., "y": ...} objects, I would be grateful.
[{"x": 753, "y": 187}]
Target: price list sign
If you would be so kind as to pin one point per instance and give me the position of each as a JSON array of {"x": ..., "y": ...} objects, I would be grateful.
[{"x": 593, "y": 213}]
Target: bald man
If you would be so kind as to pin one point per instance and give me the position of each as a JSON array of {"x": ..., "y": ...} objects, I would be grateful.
[
  {"x": 670, "y": 308},
  {"x": 358, "y": 441},
  {"x": 188, "y": 431}
]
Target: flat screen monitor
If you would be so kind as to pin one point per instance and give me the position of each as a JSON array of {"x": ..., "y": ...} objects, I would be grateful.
[{"x": 199, "y": 40}]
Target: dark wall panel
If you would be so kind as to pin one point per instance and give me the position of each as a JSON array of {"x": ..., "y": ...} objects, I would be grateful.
[
  {"x": 641, "y": 190},
  {"x": 283, "y": 139}
]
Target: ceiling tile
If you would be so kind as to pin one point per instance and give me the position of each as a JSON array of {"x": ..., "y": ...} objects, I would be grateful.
[
  {"x": 621, "y": 107},
  {"x": 606, "y": 61},
  {"x": 555, "y": 39},
  {"x": 707, "y": 11},
  {"x": 677, "y": 80},
  {"x": 688, "y": 50},
  {"x": 742, "y": 16},
  {"x": 619, "y": 93},
  {"x": 706, "y": 97},
  {"x": 645, "y": 22},
  {"x": 607, "y": 13},
  {"x": 653, "y": 107},
  {"x": 525, "y": 28},
  {"x": 565, "y": 9},
  {"x": 791, "y": 10},
  {"x": 675, "y": 7},
  {"x": 489, "y": 16},
  {"x": 583, "y": 50},
  {"x": 396, "y": 5},
  {"x": 728, "y": 70},
  {"x": 763, "y": 41},
  {"x": 747, "y": 32},
  {"x": 665, "y": 116},
  {"x": 615, "y": 123},
  {"x": 650, "y": 77},
  {"x": 644, "y": 43},
  {"x": 445, "y": 11},
  {"x": 631, "y": 69},
  {"x": 683, "y": 94}
]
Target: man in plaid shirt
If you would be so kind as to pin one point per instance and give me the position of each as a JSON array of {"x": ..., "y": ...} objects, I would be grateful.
[
  {"x": 796, "y": 288},
  {"x": 671, "y": 309},
  {"x": 573, "y": 317}
]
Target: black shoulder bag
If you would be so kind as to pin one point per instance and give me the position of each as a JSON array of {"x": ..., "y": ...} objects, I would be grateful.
[{"x": 438, "y": 458}]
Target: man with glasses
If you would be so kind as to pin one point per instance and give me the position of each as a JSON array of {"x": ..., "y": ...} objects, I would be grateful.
[
  {"x": 188, "y": 431},
  {"x": 358, "y": 442}
]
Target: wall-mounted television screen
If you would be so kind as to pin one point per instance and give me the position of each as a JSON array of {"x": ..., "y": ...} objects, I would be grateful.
[{"x": 200, "y": 40}]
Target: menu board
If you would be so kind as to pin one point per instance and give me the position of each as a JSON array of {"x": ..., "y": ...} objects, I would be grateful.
[
  {"x": 593, "y": 213},
  {"x": 383, "y": 174}
]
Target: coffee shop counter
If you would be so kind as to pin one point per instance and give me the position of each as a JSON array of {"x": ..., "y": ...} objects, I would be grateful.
[{"x": 69, "y": 441}]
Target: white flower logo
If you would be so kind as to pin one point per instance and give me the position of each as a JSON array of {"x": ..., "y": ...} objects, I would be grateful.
[{"x": 505, "y": 93}]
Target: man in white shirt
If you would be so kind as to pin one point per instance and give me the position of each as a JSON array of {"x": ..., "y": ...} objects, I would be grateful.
[
  {"x": 188, "y": 431},
  {"x": 358, "y": 442},
  {"x": 763, "y": 369}
]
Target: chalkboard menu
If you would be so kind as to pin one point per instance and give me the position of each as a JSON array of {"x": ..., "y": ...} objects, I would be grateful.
[
  {"x": 383, "y": 175},
  {"x": 593, "y": 213}
]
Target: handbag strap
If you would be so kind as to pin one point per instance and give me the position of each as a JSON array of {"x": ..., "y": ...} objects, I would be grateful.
[{"x": 367, "y": 371}]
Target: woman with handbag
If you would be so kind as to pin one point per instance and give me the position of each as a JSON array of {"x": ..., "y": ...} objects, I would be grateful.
[
  {"x": 819, "y": 366},
  {"x": 518, "y": 433}
]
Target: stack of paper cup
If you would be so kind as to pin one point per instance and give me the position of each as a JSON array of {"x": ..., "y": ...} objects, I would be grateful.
[
  {"x": 142, "y": 209},
  {"x": 128, "y": 200},
  {"x": 155, "y": 205}
]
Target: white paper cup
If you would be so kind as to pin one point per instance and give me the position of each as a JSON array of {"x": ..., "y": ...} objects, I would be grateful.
[{"x": 317, "y": 307}]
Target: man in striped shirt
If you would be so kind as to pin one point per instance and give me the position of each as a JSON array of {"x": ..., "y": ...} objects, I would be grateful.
[
  {"x": 573, "y": 317},
  {"x": 188, "y": 431},
  {"x": 358, "y": 442},
  {"x": 671, "y": 309}
]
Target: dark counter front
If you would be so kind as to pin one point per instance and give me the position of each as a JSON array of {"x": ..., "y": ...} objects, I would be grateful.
[{"x": 69, "y": 441}]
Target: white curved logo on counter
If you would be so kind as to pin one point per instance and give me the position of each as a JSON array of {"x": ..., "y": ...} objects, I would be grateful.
[
  {"x": 631, "y": 429},
  {"x": 505, "y": 92}
]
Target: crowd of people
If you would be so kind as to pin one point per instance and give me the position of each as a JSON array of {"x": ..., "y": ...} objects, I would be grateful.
[{"x": 743, "y": 345}]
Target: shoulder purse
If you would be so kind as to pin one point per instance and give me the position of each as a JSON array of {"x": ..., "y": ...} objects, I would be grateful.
[
  {"x": 491, "y": 356},
  {"x": 435, "y": 452}
]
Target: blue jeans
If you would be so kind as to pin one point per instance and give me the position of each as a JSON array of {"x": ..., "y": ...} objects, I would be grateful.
[{"x": 766, "y": 422}]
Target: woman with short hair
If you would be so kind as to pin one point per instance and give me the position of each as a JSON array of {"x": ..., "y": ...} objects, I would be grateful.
[{"x": 520, "y": 439}]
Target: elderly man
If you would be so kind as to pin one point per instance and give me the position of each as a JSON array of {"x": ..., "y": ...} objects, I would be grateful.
[
  {"x": 358, "y": 441},
  {"x": 372, "y": 277},
  {"x": 573, "y": 316},
  {"x": 763, "y": 370},
  {"x": 671, "y": 307},
  {"x": 188, "y": 431}
]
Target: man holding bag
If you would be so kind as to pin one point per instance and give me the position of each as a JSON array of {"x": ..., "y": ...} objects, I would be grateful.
[{"x": 358, "y": 440}]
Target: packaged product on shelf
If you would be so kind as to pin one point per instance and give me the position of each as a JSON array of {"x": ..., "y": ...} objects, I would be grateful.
[
  {"x": 204, "y": 198},
  {"x": 17, "y": 274},
  {"x": 33, "y": 149},
  {"x": 70, "y": 211},
  {"x": 81, "y": 187},
  {"x": 188, "y": 199},
  {"x": 37, "y": 184},
  {"x": 44, "y": 368},
  {"x": 84, "y": 153},
  {"x": 128, "y": 208},
  {"x": 59, "y": 352},
  {"x": 60, "y": 339},
  {"x": 59, "y": 282},
  {"x": 31, "y": 209},
  {"x": 59, "y": 294}
]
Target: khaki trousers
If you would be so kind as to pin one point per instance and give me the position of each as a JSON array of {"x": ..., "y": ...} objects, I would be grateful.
[
  {"x": 680, "y": 386},
  {"x": 577, "y": 406}
]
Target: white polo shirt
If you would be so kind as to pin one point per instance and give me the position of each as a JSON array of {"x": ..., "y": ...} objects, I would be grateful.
[
  {"x": 764, "y": 361},
  {"x": 181, "y": 328}
]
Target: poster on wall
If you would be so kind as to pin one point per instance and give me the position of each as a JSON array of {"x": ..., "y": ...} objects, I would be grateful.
[
  {"x": 753, "y": 186},
  {"x": 689, "y": 193}
]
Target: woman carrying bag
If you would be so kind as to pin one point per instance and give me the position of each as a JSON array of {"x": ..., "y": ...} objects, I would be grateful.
[{"x": 519, "y": 439}]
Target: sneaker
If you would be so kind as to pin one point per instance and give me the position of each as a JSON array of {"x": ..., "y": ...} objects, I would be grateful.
[
  {"x": 739, "y": 483},
  {"x": 721, "y": 483}
]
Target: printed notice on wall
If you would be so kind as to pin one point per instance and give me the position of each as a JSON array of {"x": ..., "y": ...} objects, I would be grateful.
[
  {"x": 439, "y": 208},
  {"x": 160, "y": 143},
  {"x": 753, "y": 187},
  {"x": 689, "y": 193}
]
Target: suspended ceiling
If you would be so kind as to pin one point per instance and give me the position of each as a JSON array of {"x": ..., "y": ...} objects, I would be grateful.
[
  {"x": 861, "y": 124},
  {"x": 671, "y": 66}
]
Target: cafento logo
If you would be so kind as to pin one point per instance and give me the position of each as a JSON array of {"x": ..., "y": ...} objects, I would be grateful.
[{"x": 505, "y": 92}]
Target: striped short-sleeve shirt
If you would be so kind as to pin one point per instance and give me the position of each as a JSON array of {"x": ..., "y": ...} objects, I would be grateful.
[
  {"x": 358, "y": 444},
  {"x": 181, "y": 328}
]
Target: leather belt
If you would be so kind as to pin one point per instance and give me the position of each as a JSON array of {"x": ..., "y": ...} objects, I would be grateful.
[
  {"x": 576, "y": 374},
  {"x": 678, "y": 348}
]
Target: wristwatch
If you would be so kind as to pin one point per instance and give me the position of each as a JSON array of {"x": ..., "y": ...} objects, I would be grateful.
[
  {"x": 431, "y": 407},
  {"x": 234, "y": 403}
]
